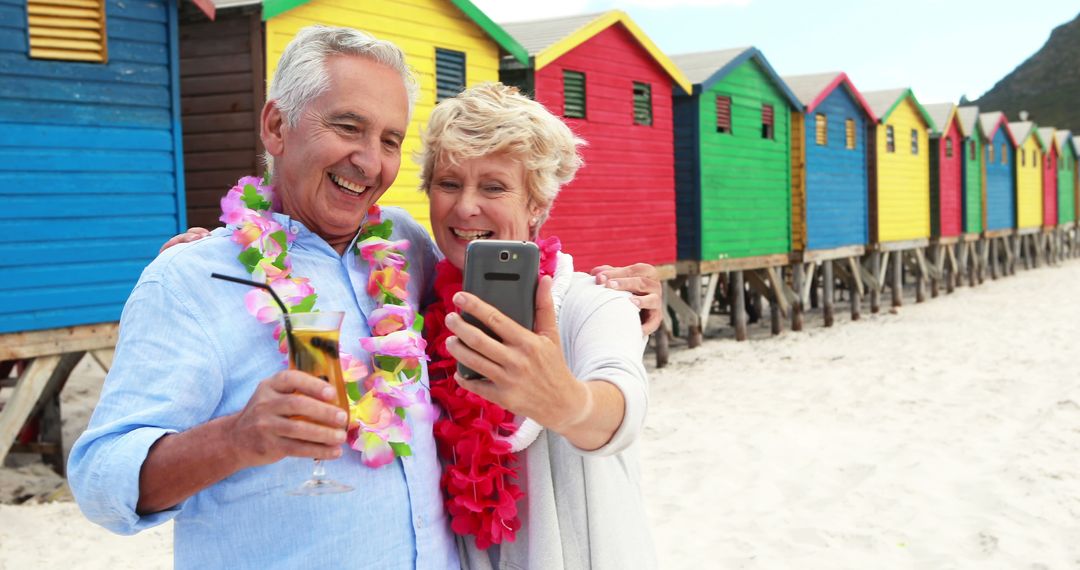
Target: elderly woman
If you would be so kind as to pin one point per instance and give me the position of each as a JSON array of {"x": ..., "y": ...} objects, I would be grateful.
[{"x": 560, "y": 489}]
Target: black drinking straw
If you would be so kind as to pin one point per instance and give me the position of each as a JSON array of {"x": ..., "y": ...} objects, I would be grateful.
[{"x": 284, "y": 311}]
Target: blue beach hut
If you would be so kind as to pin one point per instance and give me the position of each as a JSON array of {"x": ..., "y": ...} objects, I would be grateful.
[
  {"x": 999, "y": 147},
  {"x": 830, "y": 185},
  {"x": 91, "y": 176}
]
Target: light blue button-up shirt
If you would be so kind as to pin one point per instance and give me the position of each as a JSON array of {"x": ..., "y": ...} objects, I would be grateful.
[{"x": 189, "y": 352}]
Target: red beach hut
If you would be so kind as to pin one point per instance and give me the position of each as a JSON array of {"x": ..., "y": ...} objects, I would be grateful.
[
  {"x": 613, "y": 87},
  {"x": 946, "y": 171},
  {"x": 1050, "y": 179}
]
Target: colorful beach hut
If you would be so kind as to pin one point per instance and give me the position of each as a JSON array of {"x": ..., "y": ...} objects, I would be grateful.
[
  {"x": 733, "y": 157},
  {"x": 899, "y": 188},
  {"x": 829, "y": 181},
  {"x": 1049, "y": 177},
  {"x": 1029, "y": 174},
  {"x": 999, "y": 147},
  {"x": 613, "y": 86},
  {"x": 972, "y": 144},
  {"x": 91, "y": 185},
  {"x": 946, "y": 171},
  {"x": 1066, "y": 179},
  {"x": 450, "y": 44}
]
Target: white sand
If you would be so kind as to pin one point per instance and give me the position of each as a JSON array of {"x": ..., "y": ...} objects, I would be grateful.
[{"x": 946, "y": 436}]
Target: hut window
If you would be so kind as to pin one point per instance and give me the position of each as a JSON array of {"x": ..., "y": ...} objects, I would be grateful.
[
  {"x": 849, "y": 131},
  {"x": 948, "y": 148},
  {"x": 71, "y": 30},
  {"x": 642, "y": 104},
  {"x": 989, "y": 154},
  {"x": 573, "y": 83},
  {"x": 890, "y": 139},
  {"x": 723, "y": 114},
  {"x": 914, "y": 141},
  {"x": 971, "y": 150},
  {"x": 768, "y": 124},
  {"x": 1004, "y": 155},
  {"x": 449, "y": 73},
  {"x": 1023, "y": 158},
  {"x": 821, "y": 129}
]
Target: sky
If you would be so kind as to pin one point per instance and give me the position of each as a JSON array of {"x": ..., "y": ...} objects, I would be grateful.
[{"x": 941, "y": 48}]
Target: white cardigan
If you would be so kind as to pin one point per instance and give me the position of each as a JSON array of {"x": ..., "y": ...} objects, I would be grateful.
[{"x": 584, "y": 509}]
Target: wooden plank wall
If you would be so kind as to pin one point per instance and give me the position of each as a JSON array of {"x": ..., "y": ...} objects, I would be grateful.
[
  {"x": 417, "y": 27},
  {"x": 836, "y": 186},
  {"x": 1000, "y": 183},
  {"x": 687, "y": 178},
  {"x": 904, "y": 178},
  {"x": 1050, "y": 188},
  {"x": 1066, "y": 188},
  {"x": 1029, "y": 184},
  {"x": 88, "y": 168},
  {"x": 222, "y": 89},
  {"x": 973, "y": 184},
  {"x": 745, "y": 179},
  {"x": 945, "y": 184},
  {"x": 621, "y": 207}
]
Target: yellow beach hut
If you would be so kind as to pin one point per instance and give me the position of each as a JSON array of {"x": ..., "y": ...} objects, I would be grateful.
[
  {"x": 450, "y": 44},
  {"x": 1029, "y": 174},
  {"x": 900, "y": 168}
]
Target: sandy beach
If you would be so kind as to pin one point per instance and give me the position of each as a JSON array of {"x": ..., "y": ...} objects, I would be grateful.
[{"x": 945, "y": 436}]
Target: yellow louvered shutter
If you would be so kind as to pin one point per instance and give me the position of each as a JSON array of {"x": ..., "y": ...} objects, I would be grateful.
[
  {"x": 821, "y": 129},
  {"x": 849, "y": 130},
  {"x": 71, "y": 30}
]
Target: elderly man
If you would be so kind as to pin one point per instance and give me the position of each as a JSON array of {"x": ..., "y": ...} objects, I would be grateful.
[{"x": 199, "y": 423}]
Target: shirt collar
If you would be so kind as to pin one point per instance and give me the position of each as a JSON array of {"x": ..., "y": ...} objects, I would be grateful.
[{"x": 307, "y": 239}]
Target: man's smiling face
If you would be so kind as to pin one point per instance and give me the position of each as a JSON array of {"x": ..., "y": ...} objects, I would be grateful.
[{"x": 345, "y": 150}]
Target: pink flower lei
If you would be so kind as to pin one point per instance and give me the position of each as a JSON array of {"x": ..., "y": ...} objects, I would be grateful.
[{"x": 383, "y": 396}]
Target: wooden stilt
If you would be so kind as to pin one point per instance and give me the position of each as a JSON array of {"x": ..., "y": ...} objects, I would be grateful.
[
  {"x": 827, "y": 291},
  {"x": 661, "y": 340},
  {"x": 897, "y": 279},
  {"x": 738, "y": 304},
  {"x": 694, "y": 291},
  {"x": 934, "y": 252},
  {"x": 920, "y": 275},
  {"x": 856, "y": 289},
  {"x": 875, "y": 292},
  {"x": 797, "y": 276}
]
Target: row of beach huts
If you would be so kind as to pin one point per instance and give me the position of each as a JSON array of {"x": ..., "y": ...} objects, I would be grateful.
[{"x": 122, "y": 122}]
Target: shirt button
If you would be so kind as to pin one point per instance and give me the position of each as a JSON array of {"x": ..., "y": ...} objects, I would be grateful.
[
  {"x": 419, "y": 522},
  {"x": 295, "y": 230}
]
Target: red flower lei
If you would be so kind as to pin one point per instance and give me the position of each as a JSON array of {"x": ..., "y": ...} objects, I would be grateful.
[{"x": 478, "y": 466}]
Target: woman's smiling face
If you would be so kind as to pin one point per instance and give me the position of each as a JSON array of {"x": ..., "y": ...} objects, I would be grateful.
[{"x": 479, "y": 198}]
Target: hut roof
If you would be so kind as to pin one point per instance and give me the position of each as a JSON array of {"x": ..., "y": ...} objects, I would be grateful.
[
  {"x": 814, "y": 88},
  {"x": 942, "y": 114},
  {"x": 1064, "y": 140},
  {"x": 1046, "y": 134},
  {"x": 969, "y": 119},
  {"x": 1021, "y": 130},
  {"x": 548, "y": 39},
  {"x": 883, "y": 103},
  {"x": 704, "y": 69},
  {"x": 273, "y": 8},
  {"x": 991, "y": 122},
  {"x": 1076, "y": 144}
]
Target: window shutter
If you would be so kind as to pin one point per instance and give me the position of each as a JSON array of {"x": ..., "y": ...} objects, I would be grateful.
[
  {"x": 890, "y": 139},
  {"x": 642, "y": 104},
  {"x": 1004, "y": 154},
  {"x": 768, "y": 122},
  {"x": 573, "y": 94},
  {"x": 1023, "y": 158},
  {"x": 72, "y": 30},
  {"x": 449, "y": 73},
  {"x": 990, "y": 153},
  {"x": 849, "y": 130},
  {"x": 971, "y": 150},
  {"x": 821, "y": 129},
  {"x": 914, "y": 141},
  {"x": 948, "y": 148},
  {"x": 723, "y": 114}
]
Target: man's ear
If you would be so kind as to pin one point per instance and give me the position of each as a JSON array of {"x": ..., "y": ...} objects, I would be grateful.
[{"x": 271, "y": 128}]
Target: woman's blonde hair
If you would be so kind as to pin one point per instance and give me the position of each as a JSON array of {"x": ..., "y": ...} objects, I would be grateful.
[{"x": 492, "y": 118}]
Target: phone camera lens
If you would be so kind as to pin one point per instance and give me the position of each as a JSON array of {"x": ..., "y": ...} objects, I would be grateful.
[{"x": 504, "y": 255}]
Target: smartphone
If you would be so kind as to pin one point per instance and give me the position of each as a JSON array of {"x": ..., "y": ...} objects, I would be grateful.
[{"x": 504, "y": 274}]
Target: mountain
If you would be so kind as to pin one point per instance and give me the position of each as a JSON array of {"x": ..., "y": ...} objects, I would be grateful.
[{"x": 1047, "y": 85}]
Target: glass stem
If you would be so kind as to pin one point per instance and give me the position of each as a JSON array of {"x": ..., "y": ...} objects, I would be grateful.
[{"x": 320, "y": 472}]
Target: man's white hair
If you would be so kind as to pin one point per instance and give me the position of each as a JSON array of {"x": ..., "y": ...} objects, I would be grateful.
[{"x": 301, "y": 74}]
